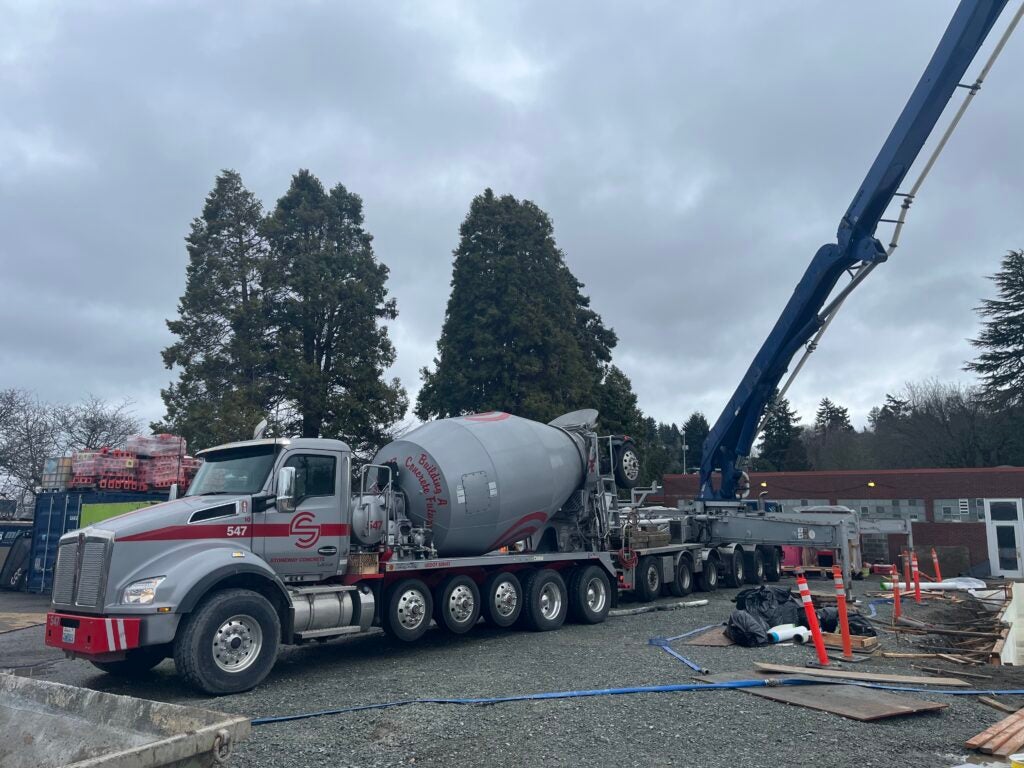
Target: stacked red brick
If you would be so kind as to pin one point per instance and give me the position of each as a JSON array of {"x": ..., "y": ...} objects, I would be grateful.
[{"x": 145, "y": 463}]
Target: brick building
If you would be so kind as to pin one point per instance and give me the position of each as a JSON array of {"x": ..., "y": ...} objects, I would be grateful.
[{"x": 973, "y": 517}]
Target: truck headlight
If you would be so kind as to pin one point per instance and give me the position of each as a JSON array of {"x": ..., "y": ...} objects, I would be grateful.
[{"x": 141, "y": 592}]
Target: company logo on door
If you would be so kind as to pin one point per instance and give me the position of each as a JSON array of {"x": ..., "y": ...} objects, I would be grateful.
[{"x": 305, "y": 527}]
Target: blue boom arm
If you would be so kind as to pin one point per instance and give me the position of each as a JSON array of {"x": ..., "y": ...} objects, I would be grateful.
[{"x": 733, "y": 434}]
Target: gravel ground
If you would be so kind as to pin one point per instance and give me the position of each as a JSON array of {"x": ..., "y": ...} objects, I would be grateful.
[{"x": 715, "y": 728}]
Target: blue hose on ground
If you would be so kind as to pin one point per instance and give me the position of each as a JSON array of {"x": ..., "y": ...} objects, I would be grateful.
[{"x": 763, "y": 683}]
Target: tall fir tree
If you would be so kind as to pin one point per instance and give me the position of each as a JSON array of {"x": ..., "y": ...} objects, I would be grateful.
[
  {"x": 695, "y": 431},
  {"x": 518, "y": 334},
  {"x": 831, "y": 418},
  {"x": 781, "y": 448},
  {"x": 1001, "y": 361},
  {"x": 223, "y": 348},
  {"x": 329, "y": 302},
  {"x": 617, "y": 405}
]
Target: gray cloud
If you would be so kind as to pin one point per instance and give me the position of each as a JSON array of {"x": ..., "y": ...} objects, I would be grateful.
[{"x": 692, "y": 156}]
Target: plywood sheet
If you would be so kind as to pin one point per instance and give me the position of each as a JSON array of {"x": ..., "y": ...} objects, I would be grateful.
[
  {"x": 714, "y": 637},
  {"x": 867, "y": 677},
  {"x": 850, "y": 701}
]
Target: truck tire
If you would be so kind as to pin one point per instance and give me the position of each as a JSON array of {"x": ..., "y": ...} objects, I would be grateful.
[
  {"x": 682, "y": 584},
  {"x": 627, "y": 465},
  {"x": 648, "y": 579},
  {"x": 408, "y": 610},
  {"x": 229, "y": 643},
  {"x": 589, "y": 595},
  {"x": 707, "y": 579},
  {"x": 502, "y": 599},
  {"x": 546, "y": 601},
  {"x": 457, "y": 604},
  {"x": 136, "y": 662},
  {"x": 754, "y": 562},
  {"x": 736, "y": 574},
  {"x": 772, "y": 565}
]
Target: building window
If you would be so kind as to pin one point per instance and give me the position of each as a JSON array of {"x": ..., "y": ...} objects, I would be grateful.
[{"x": 955, "y": 511}]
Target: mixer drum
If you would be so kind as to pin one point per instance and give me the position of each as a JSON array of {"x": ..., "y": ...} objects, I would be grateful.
[{"x": 480, "y": 482}]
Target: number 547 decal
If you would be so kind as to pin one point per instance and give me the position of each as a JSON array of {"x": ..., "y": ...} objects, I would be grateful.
[{"x": 237, "y": 530}]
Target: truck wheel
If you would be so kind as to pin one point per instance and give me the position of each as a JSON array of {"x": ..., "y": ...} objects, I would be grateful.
[
  {"x": 589, "y": 595},
  {"x": 627, "y": 465},
  {"x": 736, "y": 575},
  {"x": 409, "y": 608},
  {"x": 707, "y": 579},
  {"x": 648, "y": 579},
  {"x": 682, "y": 584},
  {"x": 137, "y": 661},
  {"x": 772, "y": 565},
  {"x": 502, "y": 599},
  {"x": 229, "y": 643},
  {"x": 545, "y": 601},
  {"x": 457, "y": 604},
  {"x": 754, "y": 562}
]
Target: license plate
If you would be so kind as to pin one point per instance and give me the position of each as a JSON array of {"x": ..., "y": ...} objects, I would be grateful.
[{"x": 67, "y": 634}]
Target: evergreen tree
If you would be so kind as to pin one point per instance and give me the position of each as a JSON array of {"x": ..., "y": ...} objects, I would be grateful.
[
  {"x": 696, "y": 431},
  {"x": 781, "y": 448},
  {"x": 1001, "y": 363},
  {"x": 222, "y": 351},
  {"x": 617, "y": 405},
  {"x": 518, "y": 335},
  {"x": 329, "y": 300},
  {"x": 831, "y": 418}
]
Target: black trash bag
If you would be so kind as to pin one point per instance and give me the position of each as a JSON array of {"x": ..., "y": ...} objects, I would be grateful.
[
  {"x": 828, "y": 618},
  {"x": 861, "y": 625},
  {"x": 746, "y": 629},
  {"x": 774, "y": 605}
]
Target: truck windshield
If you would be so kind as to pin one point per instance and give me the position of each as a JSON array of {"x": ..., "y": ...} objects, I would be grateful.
[{"x": 237, "y": 470}]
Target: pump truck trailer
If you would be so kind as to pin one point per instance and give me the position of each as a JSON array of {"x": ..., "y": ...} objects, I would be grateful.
[{"x": 486, "y": 515}]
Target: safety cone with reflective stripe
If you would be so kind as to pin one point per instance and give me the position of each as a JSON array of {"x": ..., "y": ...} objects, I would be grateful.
[
  {"x": 906, "y": 570},
  {"x": 917, "y": 577},
  {"x": 844, "y": 621},
  {"x": 897, "y": 610},
  {"x": 812, "y": 620},
  {"x": 935, "y": 565}
]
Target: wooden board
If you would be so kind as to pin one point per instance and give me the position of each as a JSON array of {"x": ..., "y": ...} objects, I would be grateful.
[
  {"x": 845, "y": 700},
  {"x": 714, "y": 637},
  {"x": 859, "y": 643},
  {"x": 1004, "y": 738},
  {"x": 867, "y": 677}
]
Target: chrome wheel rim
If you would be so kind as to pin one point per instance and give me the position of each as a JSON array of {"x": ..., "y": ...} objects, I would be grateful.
[
  {"x": 653, "y": 579},
  {"x": 550, "y": 601},
  {"x": 630, "y": 465},
  {"x": 461, "y": 604},
  {"x": 237, "y": 644},
  {"x": 506, "y": 598},
  {"x": 412, "y": 609},
  {"x": 596, "y": 595}
]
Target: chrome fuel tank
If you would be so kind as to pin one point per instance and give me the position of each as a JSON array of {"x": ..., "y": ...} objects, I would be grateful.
[{"x": 485, "y": 480}]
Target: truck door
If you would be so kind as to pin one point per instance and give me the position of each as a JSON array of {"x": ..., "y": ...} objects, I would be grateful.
[{"x": 305, "y": 545}]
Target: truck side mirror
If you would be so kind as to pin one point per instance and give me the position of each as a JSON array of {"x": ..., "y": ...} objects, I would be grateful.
[
  {"x": 286, "y": 489},
  {"x": 172, "y": 494}
]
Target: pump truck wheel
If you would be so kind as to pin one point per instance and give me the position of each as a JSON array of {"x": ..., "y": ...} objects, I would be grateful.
[
  {"x": 754, "y": 562},
  {"x": 229, "y": 643},
  {"x": 457, "y": 604},
  {"x": 648, "y": 579},
  {"x": 772, "y": 564},
  {"x": 137, "y": 661},
  {"x": 682, "y": 584},
  {"x": 408, "y": 610},
  {"x": 546, "y": 601},
  {"x": 502, "y": 599},
  {"x": 707, "y": 579},
  {"x": 736, "y": 574},
  {"x": 627, "y": 464},
  {"x": 589, "y": 595}
]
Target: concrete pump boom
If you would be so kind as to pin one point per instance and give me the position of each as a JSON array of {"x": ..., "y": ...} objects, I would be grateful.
[{"x": 732, "y": 436}]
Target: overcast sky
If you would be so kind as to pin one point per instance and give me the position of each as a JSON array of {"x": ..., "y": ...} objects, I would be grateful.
[{"x": 692, "y": 155}]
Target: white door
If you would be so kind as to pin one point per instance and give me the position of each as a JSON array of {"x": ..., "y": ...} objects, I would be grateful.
[{"x": 1004, "y": 525}]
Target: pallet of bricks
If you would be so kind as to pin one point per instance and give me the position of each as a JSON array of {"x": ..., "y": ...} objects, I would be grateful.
[{"x": 145, "y": 463}]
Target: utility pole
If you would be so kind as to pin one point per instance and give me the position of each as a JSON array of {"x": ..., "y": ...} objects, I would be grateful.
[{"x": 685, "y": 446}]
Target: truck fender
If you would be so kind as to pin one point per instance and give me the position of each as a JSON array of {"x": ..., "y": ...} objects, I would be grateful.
[
  {"x": 707, "y": 554},
  {"x": 227, "y": 572}
]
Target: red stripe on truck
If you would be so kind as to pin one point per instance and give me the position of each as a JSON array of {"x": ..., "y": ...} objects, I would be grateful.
[{"x": 229, "y": 531}]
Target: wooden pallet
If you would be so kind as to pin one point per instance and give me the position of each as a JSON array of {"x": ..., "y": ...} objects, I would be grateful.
[{"x": 817, "y": 570}]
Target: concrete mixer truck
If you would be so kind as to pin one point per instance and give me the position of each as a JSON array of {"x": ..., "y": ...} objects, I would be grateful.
[{"x": 485, "y": 515}]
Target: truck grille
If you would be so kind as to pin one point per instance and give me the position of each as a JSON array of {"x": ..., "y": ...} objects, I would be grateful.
[{"x": 79, "y": 575}]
